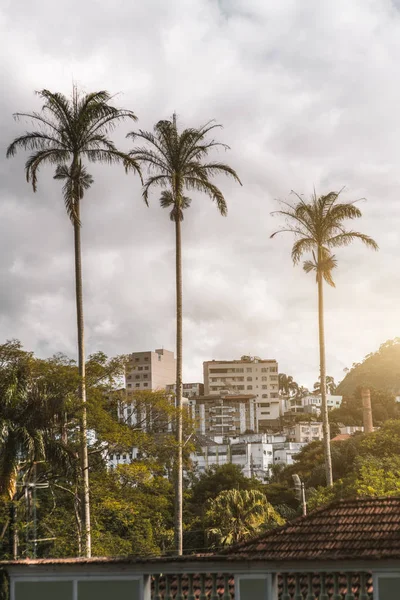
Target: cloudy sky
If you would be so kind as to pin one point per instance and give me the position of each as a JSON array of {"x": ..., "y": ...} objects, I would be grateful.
[{"x": 309, "y": 95}]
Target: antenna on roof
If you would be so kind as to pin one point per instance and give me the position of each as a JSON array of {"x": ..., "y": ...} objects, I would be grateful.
[{"x": 299, "y": 492}]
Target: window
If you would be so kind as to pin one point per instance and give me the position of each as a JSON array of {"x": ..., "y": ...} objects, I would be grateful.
[
  {"x": 249, "y": 378},
  {"x": 265, "y": 395},
  {"x": 140, "y": 368},
  {"x": 146, "y": 368},
  {"x": 146, "y": 358},
  {"x": 239, "y": 370},
  {"x": 136, "y": 360},
  {"x": 264, "y": 387},
  {"x": 257, "y": 587},
  {"x": 137, "y": 376},
  {"x": 265, "y": 404},
  {"x": 264, "y": 378},
  {"x": 159, "y": 357},
  {"x": 129, "y": 377},
  {"x": 137, "y": 384},
  {"x": 264, "y": 369},
  {"x": 129, "y": 385},
  {"x": 146, "y": 384},
  {"x": 145, "y": 376},
  {"x": 249, "y": 387},
  {"x": 249, "y": 370}
]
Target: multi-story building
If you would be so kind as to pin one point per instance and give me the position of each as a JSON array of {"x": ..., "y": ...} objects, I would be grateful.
[
  {"x": 255, "y": 459},
  {"x": 285, "y": 451},
  {"x": 149, "y": 371},
  {"x": 249, "y": 375},
  {"x": 311, "y": 403},
  {"x": 224, "y": 415},
  {"x": 304, "y": 432},
  {"x": 190, "y": 390},
  {"x": 145, "y": 371}
]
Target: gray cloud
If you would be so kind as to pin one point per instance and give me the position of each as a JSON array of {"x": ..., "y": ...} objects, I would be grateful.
[{"x": 308, "y": 95}]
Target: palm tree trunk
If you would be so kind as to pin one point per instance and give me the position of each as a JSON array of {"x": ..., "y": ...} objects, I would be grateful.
[
  {"x": 82, "y": 385},
  {"x": 178, "y": 462},
  {"x": 324, "y": 404}
]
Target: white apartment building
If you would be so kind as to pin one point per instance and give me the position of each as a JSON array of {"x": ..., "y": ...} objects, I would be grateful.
[
  {"x": 304, "y": 432},
  {"x": 253, "y": 453},
  {"x": 223, "y": 415},
  {"x": 311, "y": 403},
  {"x": 249, "y": 375},
  {"x": 254, "y": 459},
  {"x": 284, "y": 452}
]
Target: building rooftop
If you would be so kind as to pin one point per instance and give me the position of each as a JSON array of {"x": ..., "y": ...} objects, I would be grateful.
[
  {"x": 220, "y": 396},
  {"x": 229, "y": 362},
  {"x": 340, "y": 437},
  {"x": 362, "y": 528},
  {"x": 358, "y": 529}
]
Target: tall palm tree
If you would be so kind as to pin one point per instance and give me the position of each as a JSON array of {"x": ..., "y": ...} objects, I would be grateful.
[
  {"x": 235, "y": 515},
  {"x": 69, "y": 130},
  {"x": 177, "y": 161},
  {"x": 318, "y": 227}
]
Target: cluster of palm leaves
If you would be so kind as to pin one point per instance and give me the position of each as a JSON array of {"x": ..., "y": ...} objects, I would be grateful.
[
  {"x": 236, "y": 515},
  {"x": 70, "y": 131}
]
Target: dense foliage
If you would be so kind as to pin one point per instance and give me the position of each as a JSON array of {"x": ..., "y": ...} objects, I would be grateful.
[{"x": 379, "y": 370}]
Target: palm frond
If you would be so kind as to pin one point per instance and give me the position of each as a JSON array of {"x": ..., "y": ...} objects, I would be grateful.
[{"x": 347, "y": 237}]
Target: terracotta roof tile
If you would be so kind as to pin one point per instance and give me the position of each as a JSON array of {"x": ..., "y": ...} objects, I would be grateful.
[{"x": 365, "y": 528}]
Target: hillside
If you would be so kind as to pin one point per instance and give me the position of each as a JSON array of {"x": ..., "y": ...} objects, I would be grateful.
[{"x": 380, "y": 370}]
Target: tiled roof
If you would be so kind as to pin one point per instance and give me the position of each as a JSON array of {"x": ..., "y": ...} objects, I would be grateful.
[
  {"x": 364, "y": 528},
  {"x": 340, "y": 437}
]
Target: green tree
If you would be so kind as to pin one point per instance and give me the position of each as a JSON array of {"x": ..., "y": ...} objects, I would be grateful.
[
  {"x": 218, "y": 479},
  {"x": 177, "y": 161},
  {"x": 378, "y": 370},
  {"x": 235, "y": 515},
  {"x": 330, "y": 385},
  {"x": 287, "y": 385},
  {"x": 29, "y": 411},
  {"x": 318, "y": 227},
  {"x": 69, "y": 131}
]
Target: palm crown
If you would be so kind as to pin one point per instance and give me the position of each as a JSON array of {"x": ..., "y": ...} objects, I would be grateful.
[
  {"x": 318, "y": 228},
  {"x": 177, "y": 160},
  {"x": 69, "y": 130}
]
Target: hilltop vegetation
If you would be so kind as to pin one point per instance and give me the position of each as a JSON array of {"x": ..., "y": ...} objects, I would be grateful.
[{"x": 379, "y": 370}]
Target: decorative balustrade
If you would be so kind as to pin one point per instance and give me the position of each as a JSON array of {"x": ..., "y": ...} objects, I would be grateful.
[{"x": 268, "y": 586}]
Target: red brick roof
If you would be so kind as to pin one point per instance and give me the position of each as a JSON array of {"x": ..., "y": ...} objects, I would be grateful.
[{"x": 364, "y": 528}]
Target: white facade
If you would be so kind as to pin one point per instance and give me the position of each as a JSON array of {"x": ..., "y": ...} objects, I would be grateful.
[
  {"x": 311, "y": 403},
  {"x": 304, "y": 432},
  {"x": 250, "y": 376},
  {"x": 227, "y": 415},
  {"x": 284, "y": 452},
  {"x": 254, "y": 459}
]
